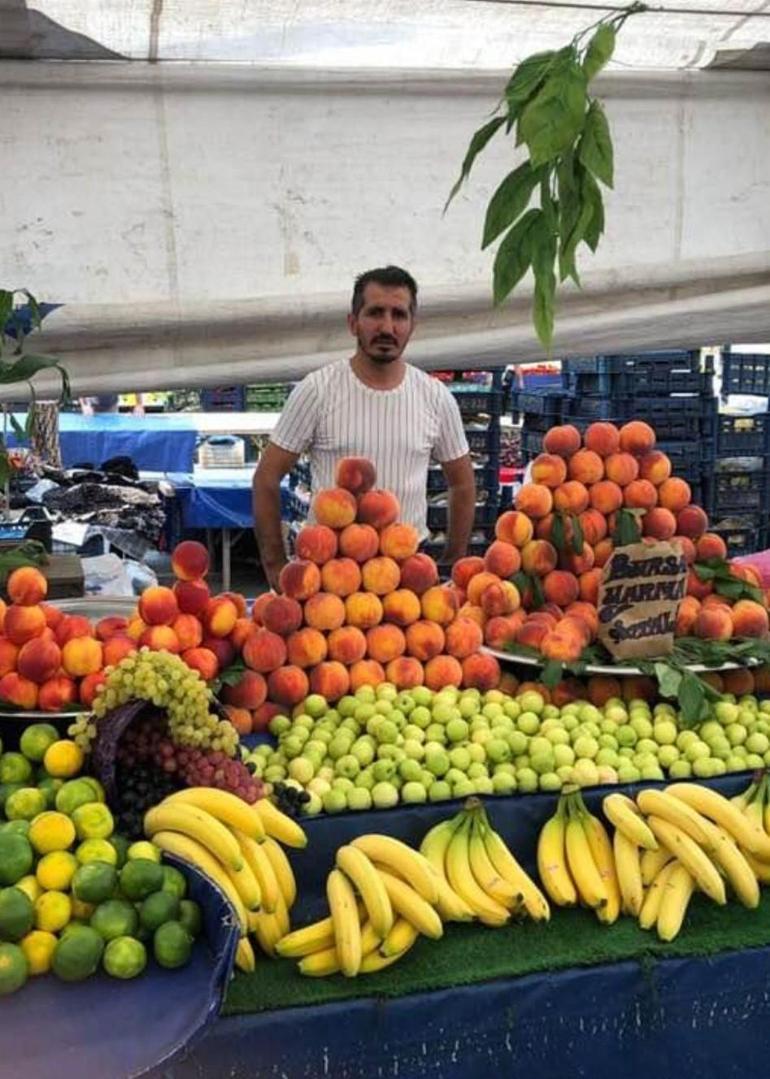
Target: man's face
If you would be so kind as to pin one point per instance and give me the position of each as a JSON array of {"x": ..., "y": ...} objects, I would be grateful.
[{"x": 385, "y": 322}]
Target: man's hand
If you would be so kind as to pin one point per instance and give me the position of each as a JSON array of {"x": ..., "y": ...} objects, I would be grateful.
[
  {"x": 272, "y": 572},
  {"x": 273, "y": 466},
  {"x": 462, "y": 507}
]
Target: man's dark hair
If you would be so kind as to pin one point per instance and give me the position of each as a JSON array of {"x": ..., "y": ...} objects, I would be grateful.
[{"x": 390, "y": 277}]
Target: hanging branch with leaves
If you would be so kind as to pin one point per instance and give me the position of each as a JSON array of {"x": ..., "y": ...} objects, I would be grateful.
[{"x": 568, "y": 138}]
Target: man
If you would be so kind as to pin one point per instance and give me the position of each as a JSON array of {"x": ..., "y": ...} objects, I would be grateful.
[{"x": 372, "y": 405}]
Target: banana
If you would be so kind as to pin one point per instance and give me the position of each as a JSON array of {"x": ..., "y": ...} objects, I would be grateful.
[
  {"x": 462, "y": 881},
  {"x": 311, "y": 938},
  {"x": 692, "y": 857},
  {"x": 433, "y": 847},
  {"x": 623, "y": 814},
  {"x": 552, "y": 862},
  {"x": 601, "y": 851},
  {"x": 260, "y": 865},
  {"x": 409, "y": 904},
  {"x": 408, "y": 863},
  {"x": 509, "y": 869},
  {"x": 487, "y": 877},
  {"x": 244, "y": 956},
  {"x": 628, "y": 870},
  {"x": 226, "y": 807},
  {"x": 279, "y": 826},
  {"x": 375, "y": 961},
  {"x": 402, "y": 936},
  {"x": 648, "y": 915},
  {"x": 720, "y": 810},
  {"x": 739, "y": 873},
  {"x": 677, "y": 892},
  {"x": 743, "y": 799},
  {"x": 660, "y": 804},
  {"x": 652, "y": 861},
  {"x": 320, "y": 964},
  {"x": 347, "y": 929},
  {"x": 761, "y": 870},
  {"x": 360, "y": 870},
  {"x": 198, "y": 825},
  {"x": 191, "y": 851},
  {"x": 284, "y": 874},
  {"x": 246, "y": 885},
  {"x": 269, "y": 929},
  {"x": 582, "y": 867},
  {"x": 380, "y": 959}
]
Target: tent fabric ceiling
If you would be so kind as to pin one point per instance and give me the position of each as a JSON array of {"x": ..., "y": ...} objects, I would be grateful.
[{"x": 395, "y": 34}]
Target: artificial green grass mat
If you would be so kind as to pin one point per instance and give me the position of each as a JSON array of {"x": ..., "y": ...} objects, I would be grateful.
[{"x": 468, "y": 954}]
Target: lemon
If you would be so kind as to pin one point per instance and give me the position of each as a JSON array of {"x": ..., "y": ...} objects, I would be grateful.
[
  {"x": 55, "y": 870},
  {"x": 143, "y": 849},
  {"x": 38, "y": 947},
  {"x": 30, "y": 886},
  {"x": 82, "y": 910},
  {"x": 51, "y": 831},
  {"x": 93, "y": 821},
  {"x": 63, "y": 759},
  {"x": 96, "y": 850},
  {"x": 52, "y": 911}
]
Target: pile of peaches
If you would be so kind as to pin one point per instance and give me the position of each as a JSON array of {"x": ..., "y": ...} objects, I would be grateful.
[{"x": 591, "y": 479}]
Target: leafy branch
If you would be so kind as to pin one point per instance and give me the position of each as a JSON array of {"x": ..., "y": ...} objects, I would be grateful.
[{"x": 567, "y": 134}]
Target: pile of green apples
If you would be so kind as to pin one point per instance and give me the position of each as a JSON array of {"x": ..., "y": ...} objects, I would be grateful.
[{"x": 380, "y": 747}]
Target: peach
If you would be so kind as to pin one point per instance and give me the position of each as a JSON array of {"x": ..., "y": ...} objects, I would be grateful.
[
  {"x": 347, "y": 644},
  {"x": 191, "y": 596},
  {"x": 385, "y": 642},
  {"x": 686, "y": 546},
  {"x": 424, "y": 640},
  {"x": 549, "y": 470},
  {"x": 750, "y": 619},
  {"x": 602, "y": 688},
  {"x": 587, "y": 467},
  {"x": 241, "y": 631},
  {"x": 87, "y": 690},
  {"x": 341, "y": 576},
  {"x": 746, "y": 573},
  {"x": 710, "y": 545},
  {"x": 26, "y": 586},
  {"x": 574, "y": 623},
  {"x": 577, "y": 563},
  {"x": 659, "y": 523},
  {"x": 363, "y": 609},
  {"x": 240, "y": 718},
  {"x": 367, "y": 672},
  {"x": 567, "y": 691},
  {"x": 640, "y": 494},
  {"x": 463, "y": 638},
  {"x": 696, "y": 587},
  {"x": 355, "y": 474},
  {"x": 76, "y": 625},
  {"x": 594, "y": 526},
  {"x": 156, "y": 638},
  {"x": 288, "y": 685},
  {"x": 674, "y": 494},
  {"x": 502, "y": 630},
  {"x": 331, "y": 679},
  {"x": 223, "y": 649},
  {"x": 655, "y": 467},
  {"x": 603, "y": 438},
  {"x": 282, "y": 615},
  {"x": 260, "y": 717},
  {"x": 315, "y": 543},
  {"x": 606, "y": 496},
  {"x": 399, "y": 541},
  {"x": 621, "y": 468},
  {"x": 739, "y": 682},
  {"x": 636, "y": 437},
  {"x": 264, "y": 651},
  {"x": 306, "y": 647},
  {"x": 532, "y": 633},
  {"x": 108, "y": 627},
  {"x": 117, "y": 648},
  {"x": 405, "y": 672},
  {"x": 259, "y": 605},
  {"x": 571, "y": 497},
  {"x": 715, "y": 600},
  {"x": 378, "y": 508},
  {"x": 514, "y": 527},
  {"x": 202, "y": 660},
  {"x": 189, "y": 560},
  {"x": 189, "y": 631},
  {"x": 401, "y": 607},
  {"x": 15, "y": 689},
  {"x": 325, "y": 611},
  {"x": 563, "y": 440},
  {"x": 470, "y": 610},
  {"x": 534, "y": 500},
  {"x": 692, "y": 522},
  {"x": 585, "y": 611},
  {"x": 359, "y": 542},
  {"x": 560, "y": 587},
  {"x": 544, "y": 528},
  {"x": 38, "y": 660},
  {"x": 53, "y": 615},
  {"x": 465, "y": 569},
  {"x": 686, "y": 616},
  {"x": 380, "y": 575},
  {"x": 4, "y": 608},
  {"x": 219, "y": 617},
  {"x": 499, "y": 599},
  {"x": 639, "y": 687},
  {"x": 714, "y": 623},
  {"x": 481, "y": 671},
  {"x": 539, "y": 557},
  {"x": 300, "y": 579},
  {"x": 439, "y": 604},
  {"x": 8, "y": 655},
  {"x": 24, "y": 623},
  {"x": 549, "y": 614},
  {"x": 419, "y": 573},
  {"x": 509, "y": 684},
  {"x": 502, "y": 559},
  {"x": 761, "y": 679},
  {"x": 441, "y": 671},
  {"x": 602, "y": 552},
  {"x": 588, "y": 584},
  {"x": 158, "y": 606},
  {"x": 81, "y": 656},
  {"x": 238, "y": 599},
  {"x": 59, "y": 692},
  {"x": 248, "y": 692},
  {"x": 334, "y": 507}
]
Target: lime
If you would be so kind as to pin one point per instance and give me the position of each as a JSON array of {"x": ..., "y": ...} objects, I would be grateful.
[
  {"x": 74, "y": 793},
  {"x": 15, "y": 827},
  {"x": 49, "y": 786},
  {"x": 13, "y": 968},
  {"x": 77, "y": 954},
  {"x": 25, "y": 803},
  {"x": 172, "y": 945},
  {"x": 6, "y": 789},
  {"x": 63, "y": 759},
  {"x": 174, "y": 881},
  {"x": 81, "y": 911},
  {"x": 140, "y": 878},
  {"x": 16, "y": 857},
  {"x": 51, "y": 831},
  {"x": 121, "y": 845},
  {"x": 30, "y": 886},
  {"x": 52, "y": 911},
  {"x": 94, "y": 882},
  {"x": 93, "y": 821},
  {"x": 190, "y": 916},
  {"x": 16, "y": 914},
  {"x": 36, "y": 739},
  {"x": 96, "y": 787},
  {"x": 125, "y": 957},
  {"x": 143, "y": 848},
  {"x": 14, "y": 768},
  {"x": 158, "y": 908},
  {"x": 38, "y": 947},
  {"x": 115, "y": 918},
  {"x": 56, "y": 870},
  {"x": 96, "y": 850}
]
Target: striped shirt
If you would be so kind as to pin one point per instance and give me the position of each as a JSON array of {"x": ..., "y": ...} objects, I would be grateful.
[{"x": 333, "y": 414}]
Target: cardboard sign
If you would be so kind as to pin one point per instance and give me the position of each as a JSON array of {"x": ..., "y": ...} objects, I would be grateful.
[{"x": 639, "y": 596}]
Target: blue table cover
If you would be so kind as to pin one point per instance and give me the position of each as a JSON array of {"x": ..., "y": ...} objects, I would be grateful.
[{"x": 214, "y": 497}]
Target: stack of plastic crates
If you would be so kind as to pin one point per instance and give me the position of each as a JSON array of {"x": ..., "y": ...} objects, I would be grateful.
[
  {"x": 267, "y": 396},
  {"x": 222, "y": 399}
]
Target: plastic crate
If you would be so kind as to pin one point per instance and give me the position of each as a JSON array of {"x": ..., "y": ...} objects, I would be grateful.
[
  {"x": 486, "y": 477},
  {"x": 739, "y": 490},
  {"x": 266, "y": 397},
  {"x": 485, "y": 516},
  {"x": 745, "y": 372},
  {"x": 548, "y": 404},
  {"x": 743, "y": 436},
  {"x": 484, "y": 438},
  {"x": 222, "y": 399},
  {"x": 656, "y": 374},
  {"x": 743, "y": 535},
  {"x": 473, "y": 401}
]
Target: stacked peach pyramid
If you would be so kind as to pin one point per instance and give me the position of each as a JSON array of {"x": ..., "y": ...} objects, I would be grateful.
[{"x": 591, "y": 480}]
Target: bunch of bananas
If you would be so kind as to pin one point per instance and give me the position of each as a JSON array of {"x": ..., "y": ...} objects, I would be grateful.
[{"x": 238, "y": 847}]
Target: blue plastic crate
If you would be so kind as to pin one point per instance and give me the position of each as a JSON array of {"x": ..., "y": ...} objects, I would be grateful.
[
  {"x": 486, "y": 477},
  {"x": 658, "y": 374},
  {"x": 485, "y": 516},
  {"x": 743, "y": 436},
  {"x": 484, "y": 438},
  {"x": 745, "y": 372},
  {"x": 473, "y": 401},
  {"x": 546, "y": 403},
  {"x": 743, "y": 535},
  {"x": 222, "y": 399},
  {"x": 738, "y": 490}
]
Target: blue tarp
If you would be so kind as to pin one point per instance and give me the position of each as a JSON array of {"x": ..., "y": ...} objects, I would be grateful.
[{"x": 214, "y": 498}]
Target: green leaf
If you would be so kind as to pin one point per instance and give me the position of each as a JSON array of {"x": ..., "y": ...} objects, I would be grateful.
[
  {"x": 730, "y": 589},
  {"x": 509, "y": 201},
  {"x": 6, "y": 307},
  {"x": 691, "y": 697},
  {"x": 18, "y": 429},
  {"x": 600, "y": 49},
  {"x": 558, "y": 536},
  {"x": 578, "y": 538},
  {"x": 232, "y": 675},
  {"x": 573, "y": 215},
  {"x": 543, "y": 241},
  {"x": 538, "y": 596},
  {"x": 669, "y": 679},
  {"x": 552, "y": 673},
  {"x": 26, "y": 367},
  {"x": 592, "y": 197},
  {"x": 514, "y": 256},
  {"x": 5, "y": 468},
  {"x": 595, "y": 146},
  {"x": 527, "y": 78},
  {"x": 554, "y": 118},
  {"x": 34, "y": 308},
  {"x": 477, "y": 144},
  {"x": 26, "y": 553},
  {"x": 703, "y": 573}
]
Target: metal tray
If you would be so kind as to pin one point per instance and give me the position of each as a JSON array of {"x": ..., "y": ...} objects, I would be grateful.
[{"x": 532, "y": 661}]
